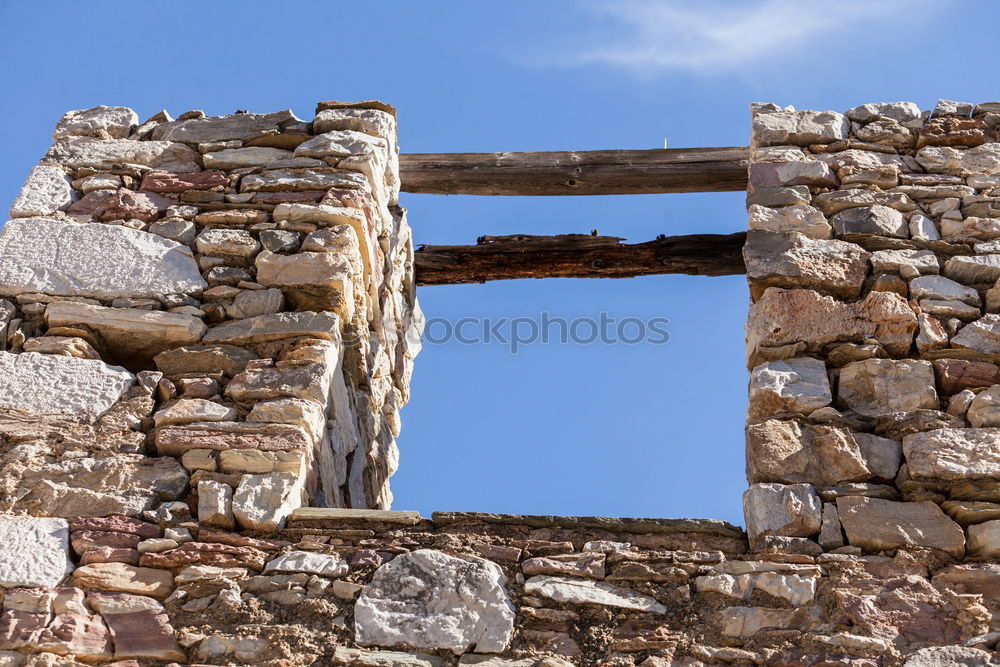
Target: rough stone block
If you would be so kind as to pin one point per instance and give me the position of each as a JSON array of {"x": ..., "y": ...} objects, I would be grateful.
[
  {"x": 264, "y": 502},
  {"x": 55, "y": 384},
  {"x": 122, "y": 578},
  {"x": 309, "y": 563},
  {"x": 953, "y": 454},
  {"x": 793, "y": 260},
  {"x": 804, "y": 219},
  {"x": 176, "y": 440},
  {"x": 89, "y": 487},
  {"x": 99, "y": 121},
  {"x": 786, "y": 387},
  {"x": 223, "y": 128},
  {"x": 793, "y": 453},
  {"x": 452, "y": 603},
  {"x": 877, "y": 525},
  {"x": 128, "y": 333},
  {"x": 973, "y": 269},
  {"x": 776, "y": 509},
  {"x": 877, "y": 386},
  {"x": 799, "y": 128},
  {"x": 983, "y": 335},
  {"x": 215, "y": 504},
  {"x": 799, "y": 320}
]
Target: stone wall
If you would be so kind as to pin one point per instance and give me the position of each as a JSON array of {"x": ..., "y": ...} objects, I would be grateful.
[
  {"x": 873, "y": 258},
  {"x": 218, "y": 311},
  {"x": 209, "y": 327}
]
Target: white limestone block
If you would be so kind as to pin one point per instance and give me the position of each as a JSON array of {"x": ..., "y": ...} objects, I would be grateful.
[
  {"x": 117, "y": 122},
  {"x": 584, "y": 591},
  {"x": 33, "y": 551},
  {"x": 93, "y": 260},
  {"x": 309, "y": 563},
  {"x": 428, "y": 599},
  {"x": 46, "y": 190},
  {"x": 341, "y": 143},
  {"x": 52, "y": 384},
  {"x": 76, "y": 152},
  {"x": 215, "y": 504},
  {"x": 264, "y": 502}
]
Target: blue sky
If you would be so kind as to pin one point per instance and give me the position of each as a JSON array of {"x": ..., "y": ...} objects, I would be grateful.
[{"x": 643, "y": 430}]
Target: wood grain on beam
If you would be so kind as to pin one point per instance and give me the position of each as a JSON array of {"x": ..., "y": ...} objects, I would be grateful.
[
  {"x": 614, "y": 172},
  {"x": 578, "y": 256}
]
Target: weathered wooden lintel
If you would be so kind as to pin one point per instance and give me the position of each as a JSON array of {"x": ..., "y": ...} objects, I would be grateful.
[
  {"x": 578, "y": 256},
  {"x": 611, "y": 172}
]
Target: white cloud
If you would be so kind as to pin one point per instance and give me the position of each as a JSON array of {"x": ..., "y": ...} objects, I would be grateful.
[{"x": 649, "y": 36}]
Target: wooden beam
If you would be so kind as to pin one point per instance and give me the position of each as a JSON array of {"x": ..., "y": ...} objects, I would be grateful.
[
  {"x": 578, "y": 256},
  {"x": 576, "y": 172}
]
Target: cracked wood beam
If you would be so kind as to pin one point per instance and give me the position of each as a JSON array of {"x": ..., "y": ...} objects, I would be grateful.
[
  {"x": 578, "y": 256},
  {"x": 614, "y": 172}
]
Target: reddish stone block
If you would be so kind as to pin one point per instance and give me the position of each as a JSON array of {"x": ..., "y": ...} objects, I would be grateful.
[
  {"x": 203, "y": 553},
  {"x": 109, "y": 555},
  {"x": 304, "y": 197},
  {"x": 496, "y": 552},
  {"x": 222, "y": 537},
  {"x": 85, "y": 637},
  {"x": 117, "y": 523},
  {"x": 586, "y": 564},
  {"x": 121, "y": 204},
  {"x": 84, "y": 540},
  {"x": 954, "y": 375},
  {"x": 643, "y": 635},
  {"x": 145, "y": 634},
  {"x": 968, "y": 132},
  {"x": 166, "y": 182},
  {"x": 198, "y": 387}
]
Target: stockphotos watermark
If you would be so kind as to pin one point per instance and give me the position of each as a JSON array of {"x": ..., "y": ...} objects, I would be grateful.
[{"x": 517, "y": 332}]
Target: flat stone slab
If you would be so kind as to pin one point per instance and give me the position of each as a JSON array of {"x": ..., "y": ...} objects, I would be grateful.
[
  {"x": 128, "y": 332},
  {"x": 222, "y": 128},
  {"x": 104, "y": 154},
  {"x": 428, "y": 599},
  {"x": 361, "y": 658},
  {"x": 584, "y": 591},
  {"x": 311, "y": 514},
  {"x": 309, "y": 563},
  {"x": 33, "y": 551},
  {"x": 97, "y": 487},
  {"x": 654, "y": 526},
  {"x": 93, "y": 260},
  {"x": 175, "y": 440},
  {"x": 123, "y": 578},
  {"x": 53, "y": 384},
  {"x": 277, "y": 326}
]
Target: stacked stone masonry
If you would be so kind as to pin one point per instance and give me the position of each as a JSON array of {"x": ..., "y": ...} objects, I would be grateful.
[
  {"x": 208, "y": 329},
  {"x": 211, "y": 310}
]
